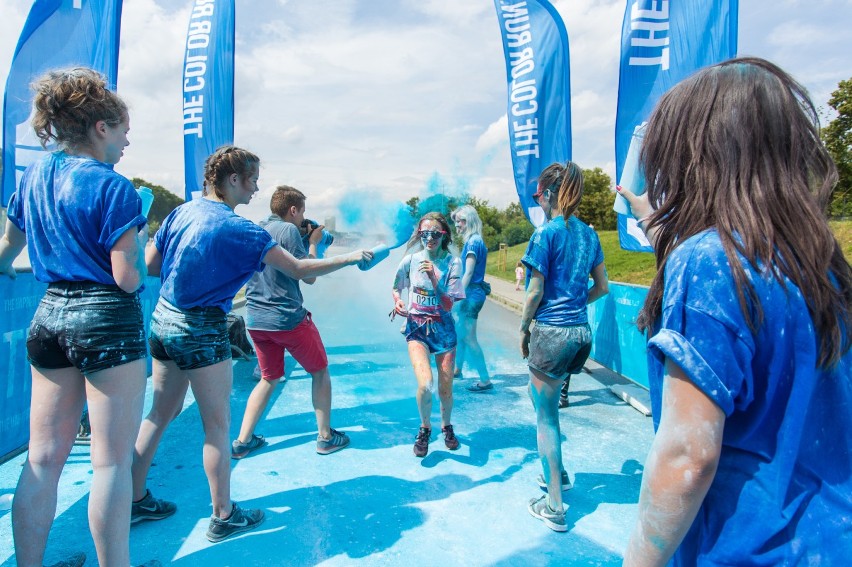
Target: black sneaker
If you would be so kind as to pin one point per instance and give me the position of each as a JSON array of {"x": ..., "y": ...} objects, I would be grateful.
[
  {"x": 76, "y": 560},
  {"x": 240, "y": 449},
  {"x": 563, "y": 402},
  {"x": 84, "y": 432},
  {"x": 421, "y": 443},
  {"x": 450, "y": 439},
  {"x": 336, "y": 442},
  {"x": 150, "y": 508},
  {"x": 238, "y": 522},
  {"x": 566, "y": 482}
]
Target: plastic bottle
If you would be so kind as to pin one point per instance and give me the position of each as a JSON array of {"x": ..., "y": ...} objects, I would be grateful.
[
  {"x": 147, "y": 197},
  {"x": 632, "y": 176},
  {"x": 380, "y": 252}
]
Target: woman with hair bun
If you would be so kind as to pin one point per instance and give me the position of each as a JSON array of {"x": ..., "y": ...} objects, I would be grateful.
[
  {"x": 85, "y": 232},
  {"x": 204, "y": 253}
]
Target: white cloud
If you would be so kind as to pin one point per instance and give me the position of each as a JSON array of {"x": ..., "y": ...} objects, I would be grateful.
[{"x": 496, "y": 134}]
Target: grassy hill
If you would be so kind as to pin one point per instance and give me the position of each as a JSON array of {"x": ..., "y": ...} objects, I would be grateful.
[{"x": 634, "y": 267}]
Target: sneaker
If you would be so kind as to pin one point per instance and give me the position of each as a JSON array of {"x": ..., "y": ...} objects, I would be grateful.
[
  {"x": 555, "y": 520},
  {"x": 150, "y": 508},
  {"x": 563, "y": 402},
  {"x": 421, "y": 443},
  {"x": 238, "y": 522},
  {"x": 76, "y": 560},
  {"x": 450, "y": 439},
  {"x": 566, "y": 482},
  {"x": 84, "y": 432},
  {"x": 336, "y": 442},
  {"x": 240, "y": 449}
]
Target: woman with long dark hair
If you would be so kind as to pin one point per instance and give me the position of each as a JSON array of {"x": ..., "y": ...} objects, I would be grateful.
[{"x": 748, "y": 320}]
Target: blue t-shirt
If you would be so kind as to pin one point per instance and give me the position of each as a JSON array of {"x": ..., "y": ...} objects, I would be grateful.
[
  {"x": 274, "y": 299},
  {"x": 476, "y": 246},
  {"x": 209, "y": 253},
  {"x": 565, "y": 255},
  {"x": 73, "y": 210},
  {"x": 783, "y": 491},
  {"x": 422, "y": 298}
]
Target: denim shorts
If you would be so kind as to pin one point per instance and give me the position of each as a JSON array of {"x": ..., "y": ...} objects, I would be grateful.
[
  {"x": 470, "y": 308},
  {"x": 437, "y": 333},
  {"x": 559, "y": 351},
  {"x": 192, "y": 338},
  {"x": 88, "y": 326}
]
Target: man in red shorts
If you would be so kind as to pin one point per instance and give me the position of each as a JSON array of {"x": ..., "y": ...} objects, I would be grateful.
[{"x": 278, "y": 322}]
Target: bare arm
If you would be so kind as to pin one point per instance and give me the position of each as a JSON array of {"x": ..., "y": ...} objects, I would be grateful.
[
  {"x": 153, "y": 259},
  {"x": 679, "y": 469},
  {"x": 285, "y": 262},
  {"x": 127, "y": 257},
  {"x": 641, "y": 209},
  {"x": 469, "y": 265},
  {"x": 11, "y": 245},
  {"x": 600, "y": 281},
  {"x": 535, "y": 291}
]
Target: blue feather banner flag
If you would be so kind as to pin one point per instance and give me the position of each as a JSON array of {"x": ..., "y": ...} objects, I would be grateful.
[
  {"x": 535, "y": 45},
  {"x": 57, "y": 34},
  {"x": 208, "y": 87},
  {"x": 661, "y": 43}
]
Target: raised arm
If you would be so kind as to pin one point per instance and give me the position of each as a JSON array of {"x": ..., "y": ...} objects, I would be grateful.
[
  {"x": 679, "y": 469},
  {"x": 285, "y": 262},
  {"x": 11, "y": 245},
  {"x": 127, "y": 257},
  {"x": 600, "y": 282}
]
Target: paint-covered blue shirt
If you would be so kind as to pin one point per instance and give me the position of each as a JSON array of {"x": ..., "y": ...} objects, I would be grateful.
[
  {"x": 73, "y": 210},
  {"x": 476, "y": 246},
  {"x": 209, "y": 253},
  {"x": 782, "y": 494},
  {"x": 565, "y": 255},
  {"x": 423, "y": 299}
]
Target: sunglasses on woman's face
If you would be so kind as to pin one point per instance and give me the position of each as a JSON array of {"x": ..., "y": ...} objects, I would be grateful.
[{"x": 431, "y": 234}]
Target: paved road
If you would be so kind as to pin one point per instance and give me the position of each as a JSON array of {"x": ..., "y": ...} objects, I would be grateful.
[{"x": 375, "y": 503}]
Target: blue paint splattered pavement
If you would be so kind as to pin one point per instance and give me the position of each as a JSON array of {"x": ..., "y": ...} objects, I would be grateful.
[{"x": 374, "y": 503}]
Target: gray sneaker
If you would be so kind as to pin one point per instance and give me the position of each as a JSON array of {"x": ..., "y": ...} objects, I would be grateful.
[
  {"x": 336, "y": 442},
  {"x": 555, "y": 520},
  {"x": 240, "y": 449},
  {"x": 238, "y": 522},
  {"x": 150, "y": 508},
  {"x": 566, "y": 482}
]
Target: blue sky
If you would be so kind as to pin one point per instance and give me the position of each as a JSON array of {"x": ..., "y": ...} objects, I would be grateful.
[{"x": 387, "y": 96}]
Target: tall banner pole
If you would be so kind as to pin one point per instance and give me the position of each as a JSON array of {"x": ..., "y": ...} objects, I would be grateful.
[
  {"x": 535, "y": 46},
  {"x": 57, "y": 34},
  {"x": 662, "y": 43},
  {"x": 208, "y": 87}
]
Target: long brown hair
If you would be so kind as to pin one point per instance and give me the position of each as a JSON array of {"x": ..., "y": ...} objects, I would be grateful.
[
  {"x": 736, "y": 148},
  {"x": 445, "y": 226},
  {"x": 566, "y": 183}
]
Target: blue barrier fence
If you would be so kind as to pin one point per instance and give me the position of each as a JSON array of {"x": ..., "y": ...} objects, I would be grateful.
[
  {"x": 616, "y": 342},
  {"x": 20, "y": 297}
]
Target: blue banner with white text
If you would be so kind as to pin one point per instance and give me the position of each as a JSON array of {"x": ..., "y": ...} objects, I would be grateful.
[
  {"x": 208, "y": 87},
  {"x": 56, "y": 34},
  {"x": 535, "y": 45},
  {"x": 662, "y": 43}
]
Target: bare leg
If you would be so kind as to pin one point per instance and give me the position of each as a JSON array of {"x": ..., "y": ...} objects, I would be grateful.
[
  {"x": 461, "y": 347},
  {"x": 57, "y": 401},
  {"x": 446, "y": 361},
  {"x": 321, "y": 398},
  {"x": 169, "y": 384},
  {"x": 419, "y": 355},
  {"x": 256, "y": 405},
  {"x": 544, "y": 392},
  {"x": 211, "y": 386},
  {"x": 115, "y": 397},
  {"x": 474, "y": 351}
]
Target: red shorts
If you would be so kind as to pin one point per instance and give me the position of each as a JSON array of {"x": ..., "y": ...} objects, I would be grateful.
[{"x": 303, "y": 342}]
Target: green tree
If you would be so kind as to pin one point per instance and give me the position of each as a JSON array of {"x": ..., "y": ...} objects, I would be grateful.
[
  {"x": 596, "y": 206},
  {"x": 837, "y": 137},
  {"x": 164, "y": 202}
]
